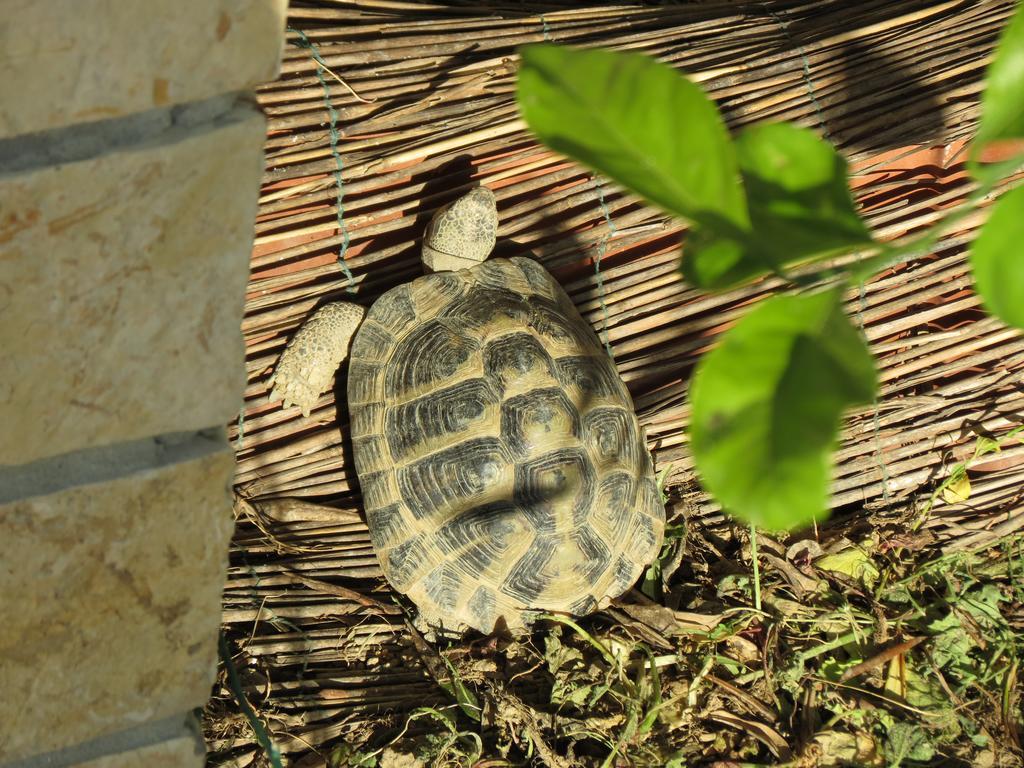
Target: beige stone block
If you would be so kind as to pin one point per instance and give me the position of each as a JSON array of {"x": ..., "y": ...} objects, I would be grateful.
[
  {"x": 111, "y": 594},
  {"x": 72, "y": 61},
  {"x": 122, "y": 282},
  {"x": 183, "y": 752}
]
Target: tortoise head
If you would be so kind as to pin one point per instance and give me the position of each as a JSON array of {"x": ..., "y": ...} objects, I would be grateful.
[{"x": 462, "y": 233}]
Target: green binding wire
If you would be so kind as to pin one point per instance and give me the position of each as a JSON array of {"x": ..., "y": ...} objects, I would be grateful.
[
  {"x": 602, "y": 247},
  {"x": 314, "y": 52}
]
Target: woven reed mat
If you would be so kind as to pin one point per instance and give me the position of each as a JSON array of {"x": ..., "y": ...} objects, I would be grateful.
[{"x": 386, "y": 110}]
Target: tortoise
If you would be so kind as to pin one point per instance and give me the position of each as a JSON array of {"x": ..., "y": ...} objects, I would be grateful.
[{"x": 502, "y": 467}]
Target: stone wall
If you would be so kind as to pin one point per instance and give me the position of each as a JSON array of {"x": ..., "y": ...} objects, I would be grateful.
[{"x": 130, "y": 163}]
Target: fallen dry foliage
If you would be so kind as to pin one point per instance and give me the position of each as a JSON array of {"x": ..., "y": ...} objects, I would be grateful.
[{"x": 887, "y": 635}]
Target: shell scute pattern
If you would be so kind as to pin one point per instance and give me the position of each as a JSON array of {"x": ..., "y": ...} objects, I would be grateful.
[
  {"x": 396, "y": 310},
  {"x": 365, "y": 382},
  {"x": 371, "y": 343},
  {"x": 430, "y": 294},
  {"x": 428, "y": 422},
  {"x": 584, "y": 606},
  {"x": 539, "y": 420},
  {"x": 386, "y": 527},
  {"x": 590, "y": 380},
  {"x": 491, "y": 523},
  {"x": 407, "y": 563},
  {"x": 481, "y": 606},
  {"x": 442, "y": 586},
  {"x": 531, "y": 575},
  {"x": 502, "y": 466},
  {"x": 641, "y": 536},
  {"x": 482, "y": 540},
  {"x": 594, "y": 554},
  {"x": 617, "y": 492},
  {"x": 518, "y": 364},
  {"x": 363, "y": 420},
  {"x": 548, "y": 322},
  {"x": 429, "y": 356},
  {"x": 455, "y": 476},
  {"x": 374, "y": 451},
  {"x": 611, "y": 436},
  {"x": 505, "y": 275},
  {"x": 377, "y": 488},
  {"x": 624, "y": 573},
  {"x": 479, "y": 311},
  {"x": 555, "y": 491},
  {"x": 538, "y": 279}
]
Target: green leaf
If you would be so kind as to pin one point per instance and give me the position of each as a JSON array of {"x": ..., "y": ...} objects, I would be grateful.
[
  {"x": 1002, "y": 104},
  {"x": 713, "y": 262},
  {"x": 800, "y": 207},
  {"x": 832, "y": 669},
  {"x": 950, "y": 644},
  {"x": 983, "y": 605},
  {"x": 797, "y": 190},
  {"x": 907, "y": 741},
  {"x": 767, "y": 403},
  {"x": 639, "y": 122},
  {"x": 465, "y": 698},
  {"x": 854, "y": 562},
  {"x": 997, "y": 261},
  {"x": 649, "y": 128}
]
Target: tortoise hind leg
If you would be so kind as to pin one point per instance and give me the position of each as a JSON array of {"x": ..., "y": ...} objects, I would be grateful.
[{"x": 307, "y": 365}]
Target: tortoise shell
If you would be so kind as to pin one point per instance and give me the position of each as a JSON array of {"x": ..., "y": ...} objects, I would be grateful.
[{"x": 502, "y": 467}]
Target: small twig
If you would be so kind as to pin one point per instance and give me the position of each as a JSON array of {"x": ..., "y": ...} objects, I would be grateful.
[
  {"x": 750, "y": 701},
  {"x": 349, "y": 594},
  {"x": 305, "y": 42},
  {"x": 880, "y": 658},
  {"x": 347, "y": 87}
]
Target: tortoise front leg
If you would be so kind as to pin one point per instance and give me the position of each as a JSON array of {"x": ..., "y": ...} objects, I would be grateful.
[{"x": 307, "y": 365}]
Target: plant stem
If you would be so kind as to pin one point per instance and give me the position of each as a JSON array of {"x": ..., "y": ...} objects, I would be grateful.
[
  {"x": 597, "y": 645},
  {"x": 272, "y": 752},
  {"x": 757, "y": 570},
  {"x": 890, "y": 255}
]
